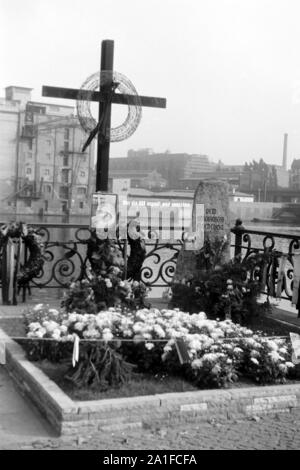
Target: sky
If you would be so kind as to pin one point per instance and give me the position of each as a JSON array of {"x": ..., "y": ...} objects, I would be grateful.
[{"x": 229, "y": 69}]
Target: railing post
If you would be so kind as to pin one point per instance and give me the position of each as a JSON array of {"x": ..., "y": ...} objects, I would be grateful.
[
  {"x": 4, "y": 274},
  {"x": 298, "y": 304},
  {"x": 238, "y": 231}
]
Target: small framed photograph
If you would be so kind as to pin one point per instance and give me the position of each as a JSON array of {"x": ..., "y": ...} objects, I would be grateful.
[{"x": 104, "y": 213}]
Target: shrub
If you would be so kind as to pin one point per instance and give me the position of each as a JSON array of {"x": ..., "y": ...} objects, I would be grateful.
[{"x": 223, "y": 291}]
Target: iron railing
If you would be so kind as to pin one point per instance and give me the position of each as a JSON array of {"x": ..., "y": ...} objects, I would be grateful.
[
  {"x": 66, "y": 259},
  {"x": 276, "y": 245}
]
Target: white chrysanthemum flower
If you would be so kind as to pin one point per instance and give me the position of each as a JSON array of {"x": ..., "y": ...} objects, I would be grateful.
[
  {"x": 275, "y": 356},
  {"x": 50, "y": 326},
  {"x": 56, "y": 334},
  {"x": 127, "y": 333},
  {"x": 107, "y": 334},
  {"x": 272, "y": 345},
  {"x": 167, "y": 348},
  {"x": 217, "y": 334},
  {"x": 34, "y": 326},
  {"x": 254, "y": 353},
  {"x": 197, "y": 363},
  {"x": 147, "y": 335},
  {"x": 282, "y": 350},
  {"x": 254, "y": 360},
  {"x": 68, "y": 338},
  {"x": 40, "y": 333},
  {"x": 195, "y": 345},
  {"x": 159, "y": 331},
  {"x": 138, "y": 326},
  {"x": 250, "y": 342},
  {"x": 72, "y": 317},
  {"x": 91, "y": 333},
  {"x": 31, "y": 334},
  {"x": 38, "y": 307},
  {"x": 289, "y": 364},
  {"x": 149, "y": 346},
  {"x": 79, "y": 326},
  {"x": 53, "y": 311},
  {"x": 210, "y": 357}
]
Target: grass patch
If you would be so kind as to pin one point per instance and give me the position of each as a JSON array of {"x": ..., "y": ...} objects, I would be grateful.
[
  {"x": 13, "y": 326},
  {"x": 140, "y": 384},
  {"x": 271, "y": 327}
]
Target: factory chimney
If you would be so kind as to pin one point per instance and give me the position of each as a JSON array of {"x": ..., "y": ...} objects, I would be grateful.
[{"x": 284, "y": 158}]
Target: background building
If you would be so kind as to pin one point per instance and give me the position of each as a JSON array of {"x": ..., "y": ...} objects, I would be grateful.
[
  {"x": 143, "y": 167},
  {"x": 43, "y": 170},
  {"x": 295, "y": 174}
]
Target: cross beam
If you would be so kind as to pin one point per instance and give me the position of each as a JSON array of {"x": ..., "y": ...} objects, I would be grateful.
[
  {"x": 117, "y": 98},
  {"x": 105, "y": 97}
]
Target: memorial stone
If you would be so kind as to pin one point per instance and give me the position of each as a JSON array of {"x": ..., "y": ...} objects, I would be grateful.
[{"x": 214, "y": 230}]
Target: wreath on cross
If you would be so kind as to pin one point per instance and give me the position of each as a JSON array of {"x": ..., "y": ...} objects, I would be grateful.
[{"x": 32, "y": 242}]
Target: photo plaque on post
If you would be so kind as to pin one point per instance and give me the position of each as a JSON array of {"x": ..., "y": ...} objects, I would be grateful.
[{"x": 104, "y": 214}]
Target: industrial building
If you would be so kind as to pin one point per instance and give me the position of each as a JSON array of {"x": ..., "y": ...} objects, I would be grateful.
[
  {"x": 43, "y": 170},
  {"x": 171, "y": 167}
]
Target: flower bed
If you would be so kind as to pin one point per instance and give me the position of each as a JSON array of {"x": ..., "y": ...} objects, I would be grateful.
[{"x": 115, "y": 344}]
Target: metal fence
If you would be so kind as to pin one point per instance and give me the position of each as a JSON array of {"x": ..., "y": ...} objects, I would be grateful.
[
  {"x": 279, "y": 277},
  {"x": 66, "y": 257}
]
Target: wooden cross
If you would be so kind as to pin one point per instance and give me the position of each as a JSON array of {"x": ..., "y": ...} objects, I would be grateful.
[{"x": 105, "y": 97}]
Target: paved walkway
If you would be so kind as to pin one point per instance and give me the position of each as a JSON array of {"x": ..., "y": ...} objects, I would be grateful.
[
  {"x": 19, "y": 420},
  {"x": 286, "y": 316},
  {"x": 279, "y": 432}
]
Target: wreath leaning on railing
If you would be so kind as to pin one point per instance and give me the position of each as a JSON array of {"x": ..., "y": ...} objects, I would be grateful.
[{"x": 32, "y": 242}]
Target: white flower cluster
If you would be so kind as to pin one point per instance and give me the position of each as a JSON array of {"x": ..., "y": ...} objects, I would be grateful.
[
  {"x": 209, "y": 342},
  {"x": 273, "y": 352}
]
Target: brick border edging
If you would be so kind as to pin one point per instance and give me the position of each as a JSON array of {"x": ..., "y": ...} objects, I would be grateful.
[{"x": 73, "y": 417}]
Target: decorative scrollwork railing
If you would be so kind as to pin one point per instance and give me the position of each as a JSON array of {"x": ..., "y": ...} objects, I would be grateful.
[
  {"x": 66, "y": 259},
  {"x": 279, "y": 276},
  {"x": 160, "y": 263}
]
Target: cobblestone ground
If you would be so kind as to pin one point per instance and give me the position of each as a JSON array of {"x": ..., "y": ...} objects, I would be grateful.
[{"x": 277, "y": 432}]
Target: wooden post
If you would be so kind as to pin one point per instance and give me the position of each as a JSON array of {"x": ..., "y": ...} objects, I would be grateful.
[{"x": 107, "y": 60}]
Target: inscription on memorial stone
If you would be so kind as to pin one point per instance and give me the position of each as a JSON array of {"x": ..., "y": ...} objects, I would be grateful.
[{"x": 214, "y": 229}]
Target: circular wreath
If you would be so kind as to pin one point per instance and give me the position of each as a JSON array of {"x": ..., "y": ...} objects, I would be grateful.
[
  {"x": 124, "y": 85},
  {"x": 33, "y": 243}
]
